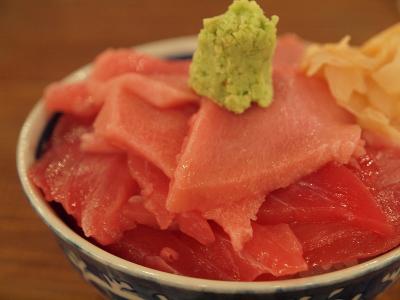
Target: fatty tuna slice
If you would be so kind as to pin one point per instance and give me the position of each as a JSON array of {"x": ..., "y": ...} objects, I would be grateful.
[
  {"x": 94, "y": 189},
  {"x": 228, "y": 158},
  {"x": 134, "y": 125}
]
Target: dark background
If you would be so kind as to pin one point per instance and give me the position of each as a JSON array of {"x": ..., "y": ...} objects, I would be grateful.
[{"x": 44, "y": 40}]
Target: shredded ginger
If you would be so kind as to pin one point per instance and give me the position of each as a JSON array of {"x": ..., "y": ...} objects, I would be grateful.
[{"x": 364, "y": 80}]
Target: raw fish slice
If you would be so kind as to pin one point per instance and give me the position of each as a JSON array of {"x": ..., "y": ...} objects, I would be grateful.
[
  {"x": 196, "y": 226},
  {"x": 92, "y": 188},
  {"x": 73, "y": 98},
  {"x": 161, "y": 82},
  {"x": 135, "y": 210},
  {"x": 333, "y": 193},
  {"x": 235, "y": 218},
  {"x": 339, "y": 244},
  {"x": 275, "y": 248},
  {"x": 229, "y": 158},
  {"x": 160, "y": 91},
  {"x": 92, "y": 143},
  {"x": 289, "y": 52},
  {"x": 115, "y": 62},
  {"x": 379, "y": 169},
  {"x": 132, "y": 124},
  {"x": 154, "y": 188},
  {"x": 177, "y": 253}
]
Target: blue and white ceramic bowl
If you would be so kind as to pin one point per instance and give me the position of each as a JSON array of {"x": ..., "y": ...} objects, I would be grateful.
[{"x": 120, "y": 279}]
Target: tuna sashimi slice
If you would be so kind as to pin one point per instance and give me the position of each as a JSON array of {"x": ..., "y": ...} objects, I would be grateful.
[
  {"x": 73, "y": 98},
  {"x": 230, "y": 157},
  {"x": 114, "y": 62},
  {"x": 92, "y": 188},
  {"x": 379, "y": 169},
  {"x": 235, "y": 218},
  {"x": 177, "y": 253},
  {"x": 333, "y": 193},
  {"x": 276, "y": 248},
  {"x": 154, "y": 188},
  {"x": 91, "y": 143},
  {"x": 160, "y": 91},
  {"x": 196, "y": 226},
  {"x": 340, "y": 243},
  {"x": 289, "y": 52},
  {"x": 134, "y": 125},
  {"x": 164, "y": 83}
]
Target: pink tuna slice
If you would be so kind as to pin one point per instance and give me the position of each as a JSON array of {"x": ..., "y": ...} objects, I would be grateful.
[
  {"x": 289, "y": 52},
  {"x": 235, "y": 218},
  {"x": 114, "y": 62},
  {"x": 91, "y": 143},
  {"x": 73, "y": 98},
  {"x": 134, "y": 125},
  {"x": 196, "y": 226},
  {"x": 154, "y": 188},
  {"x": 229, "y": 158},
  {"x": 161, "y": 82},
  {"x": 163, "y": 91}
]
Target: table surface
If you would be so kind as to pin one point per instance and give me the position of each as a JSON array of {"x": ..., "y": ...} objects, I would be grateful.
[{"x": 43, "y": 40}]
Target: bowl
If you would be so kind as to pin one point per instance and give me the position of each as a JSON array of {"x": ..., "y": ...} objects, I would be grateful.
[{"x": 119, "y": 279}]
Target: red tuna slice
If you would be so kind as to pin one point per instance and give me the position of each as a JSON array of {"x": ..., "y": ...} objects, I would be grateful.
[
  {"x": 379, "y": 169},
  {"x": 235, "y": 218},
  {"x": 340, "y": 244},
  {"x": 275, "y": 248},
  {"x": 228, "y": 157},
  {"x": 333, "y": 193},
  {"x": 289, "y": 52},
  {"x": 177, "y": 253},
  {"x": 73, "y": 98},
  {"x": 154, "y": 188},
  {"x": 91, "y": 188},
  {"x": 163, "y": 91},
  {"x": 130, "y": 123}
]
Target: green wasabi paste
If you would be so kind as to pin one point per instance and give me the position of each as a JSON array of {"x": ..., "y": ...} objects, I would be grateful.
[{"x": 233, "y": 62}]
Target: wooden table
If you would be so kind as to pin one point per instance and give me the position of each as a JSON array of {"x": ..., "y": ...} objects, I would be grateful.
[{"x": 43, "y": 40}]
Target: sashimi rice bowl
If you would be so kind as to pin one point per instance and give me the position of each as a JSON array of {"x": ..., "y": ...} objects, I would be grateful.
[{"x": 263, "y": 167}]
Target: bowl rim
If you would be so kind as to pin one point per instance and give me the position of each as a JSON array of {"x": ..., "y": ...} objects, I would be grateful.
[{"x": 27, "y": 141}]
